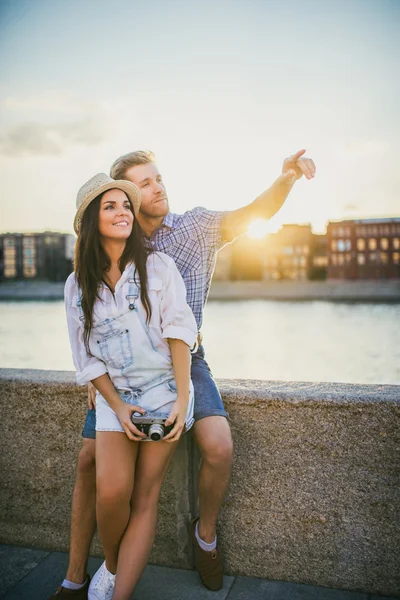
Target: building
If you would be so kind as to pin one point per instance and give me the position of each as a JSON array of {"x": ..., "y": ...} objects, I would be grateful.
[
  {"x": 295, "y": 253},
  {"x": 45, "y": 256},
  {"x": 364, "y": 249}
]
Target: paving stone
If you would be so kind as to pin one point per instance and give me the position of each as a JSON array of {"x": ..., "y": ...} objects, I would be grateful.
[
  {"x": 383, "y": 597},
  {"x": 43, "y": 580},
  {"x": 157, "y": 583},
  {"x": 162, "y": 583},
  {"x": 16, "y": 563},
  {"x": 246, "y": 588}
]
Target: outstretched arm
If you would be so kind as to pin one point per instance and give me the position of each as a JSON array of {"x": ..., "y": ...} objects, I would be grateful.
[{"x": 236, "y": 222}]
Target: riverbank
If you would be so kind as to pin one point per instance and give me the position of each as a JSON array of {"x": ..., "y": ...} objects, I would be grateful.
[{"x": 336, "y": 291}]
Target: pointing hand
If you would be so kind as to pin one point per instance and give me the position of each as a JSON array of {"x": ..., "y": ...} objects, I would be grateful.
[{"x": 297, "y": 165}]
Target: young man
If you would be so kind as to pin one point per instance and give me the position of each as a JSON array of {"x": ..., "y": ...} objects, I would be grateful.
[{"x": 192, "y": 240}]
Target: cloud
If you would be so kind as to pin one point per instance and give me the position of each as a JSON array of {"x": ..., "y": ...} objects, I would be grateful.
[
  {"x": 45, "y": 101},
  {"x": 50, "y": 122},
  {"x": 38, "y": 139}
]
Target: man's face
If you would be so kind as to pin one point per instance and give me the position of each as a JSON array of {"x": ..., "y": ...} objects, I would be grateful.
[{"x": 154, "y": 196}]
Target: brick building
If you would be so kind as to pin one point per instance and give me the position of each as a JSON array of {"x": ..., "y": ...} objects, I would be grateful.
[
  {"x": 364, "y": 249},
  {"x": 45, "y": 256}
]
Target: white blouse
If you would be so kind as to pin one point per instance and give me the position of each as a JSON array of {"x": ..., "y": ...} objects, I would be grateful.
[{"x": 171, "y": 315}]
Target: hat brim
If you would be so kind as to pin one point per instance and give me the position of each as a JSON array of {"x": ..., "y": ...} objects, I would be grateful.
[{"x": 130, "y": 189}]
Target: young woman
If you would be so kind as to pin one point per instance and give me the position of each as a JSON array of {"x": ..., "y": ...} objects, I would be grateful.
[{"x": 131, "y": 332}]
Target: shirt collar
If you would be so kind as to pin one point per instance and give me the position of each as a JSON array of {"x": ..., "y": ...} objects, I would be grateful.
[{"x": 169, "y": 220}]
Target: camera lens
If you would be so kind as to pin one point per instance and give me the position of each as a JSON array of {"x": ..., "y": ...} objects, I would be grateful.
[{"x": 156, "y": 432}]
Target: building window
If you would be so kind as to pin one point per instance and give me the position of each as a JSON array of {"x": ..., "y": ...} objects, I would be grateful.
[
  {"x": 396, "y": 243},
  {"x": 333, "y": 245},
  {"x": 384, "y": 258},
  {"x": 334, "y": 259},
  {"x": 320, "y": 261},
  {"x": 384, "y": 243},
  {"x": 361, "y": 259},
  {"x": 341, "y": 232},
  {"x": 372, "y": 257},
  {"x": 10, "y": 272},
  {"x": 372, "y": 245},
  {"x": 340, "y": 259},
  {"x": 9, "y": 252},
  {"x": 348, "y": 245},
  {"x": 360, "y": 244},
  {"x": 348, "y": 257},
  {"x": 29, "y": 271},
  {"x": 396, "y": 258},
  {"x": 341, "y": 245},
  {"x": 9, "y": 242},
  {"x": 28, "y": 242}
]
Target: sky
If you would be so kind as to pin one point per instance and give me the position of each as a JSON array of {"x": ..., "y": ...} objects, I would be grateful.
[{"x": 221, "y": 90}]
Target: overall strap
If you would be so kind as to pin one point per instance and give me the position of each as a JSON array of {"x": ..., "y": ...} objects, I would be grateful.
[
  {"x": 133, "y": 291},
  {"x": 79, "y": 305}
]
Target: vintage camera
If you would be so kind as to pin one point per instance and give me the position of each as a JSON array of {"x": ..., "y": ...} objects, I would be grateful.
[{"x": 152, "y": 424}]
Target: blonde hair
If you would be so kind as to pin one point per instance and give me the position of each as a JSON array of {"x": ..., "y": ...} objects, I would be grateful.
[{"x": 123, "y": 163}]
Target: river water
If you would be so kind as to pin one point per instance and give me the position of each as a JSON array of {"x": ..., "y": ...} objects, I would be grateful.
[{"x": 257, "y": 339}]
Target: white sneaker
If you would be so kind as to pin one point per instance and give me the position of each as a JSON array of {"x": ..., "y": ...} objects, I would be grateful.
[{"x": 102, "y": 585}]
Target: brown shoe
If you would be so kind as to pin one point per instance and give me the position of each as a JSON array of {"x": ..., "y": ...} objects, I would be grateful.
[
  {"x": 208, "y": 564},
  {"x": 81, "y": 594}
]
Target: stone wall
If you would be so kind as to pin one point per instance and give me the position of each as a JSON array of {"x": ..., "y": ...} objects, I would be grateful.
[{"x": 314, "y": 496}]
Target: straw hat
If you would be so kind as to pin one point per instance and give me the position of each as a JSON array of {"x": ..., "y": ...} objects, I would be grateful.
[{"x": 99, "y": 184}]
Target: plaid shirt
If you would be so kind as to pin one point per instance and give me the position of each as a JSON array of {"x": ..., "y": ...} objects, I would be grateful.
[{"x": 192, "y": 240}]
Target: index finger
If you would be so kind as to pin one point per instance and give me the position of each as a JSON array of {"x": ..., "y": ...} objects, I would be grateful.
[
  {"x": 173, "y": 433},
  {"x": 294, "y": 157}
]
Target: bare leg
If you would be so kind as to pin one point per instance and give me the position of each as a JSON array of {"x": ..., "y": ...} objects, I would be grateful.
[
  {"x": 83, "y": 514},
  {"x": 213, "y": 436},
  {"x": 115, "y": 471},
  {"x": 151, "y": 466}
]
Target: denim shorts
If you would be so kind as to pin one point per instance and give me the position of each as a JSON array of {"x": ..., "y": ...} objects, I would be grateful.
[{"x": 207, "y": 399}]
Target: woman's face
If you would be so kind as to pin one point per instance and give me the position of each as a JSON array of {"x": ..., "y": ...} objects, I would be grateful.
[{"x": 115, "y": 215}]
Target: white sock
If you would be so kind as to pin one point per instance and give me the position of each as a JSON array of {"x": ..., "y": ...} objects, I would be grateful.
[
  {"x": 203, "y": 545},
  {"x": 70, "y": 585}
]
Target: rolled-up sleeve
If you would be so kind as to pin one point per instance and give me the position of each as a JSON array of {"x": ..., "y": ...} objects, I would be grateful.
[
  {"x": 87, "y": 366},
  {"x": 177, "y": 320}
]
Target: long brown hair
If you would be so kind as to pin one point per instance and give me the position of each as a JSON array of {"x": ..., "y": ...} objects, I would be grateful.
[{"x": 91, "y": 262}]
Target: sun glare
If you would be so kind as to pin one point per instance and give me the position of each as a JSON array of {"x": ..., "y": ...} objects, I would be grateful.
[{"x": 258, "y": 229}]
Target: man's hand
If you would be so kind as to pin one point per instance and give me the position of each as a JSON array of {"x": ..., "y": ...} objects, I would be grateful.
[
  {"x": 296, "y": 166},
  {"x": 91, "y": 395}
]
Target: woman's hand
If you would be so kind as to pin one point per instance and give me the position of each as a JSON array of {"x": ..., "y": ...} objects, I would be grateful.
[
  {"x": 178, "y": 417},
  {"x": 124, "y": 414},
  {"x": 91, "y": 395}
]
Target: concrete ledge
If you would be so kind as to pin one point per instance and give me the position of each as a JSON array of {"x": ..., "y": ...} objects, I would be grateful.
[{"x": 314, "y": 497}]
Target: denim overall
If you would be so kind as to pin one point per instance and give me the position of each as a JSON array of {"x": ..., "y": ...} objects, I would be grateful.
[{"x": 123, "y": 342}]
